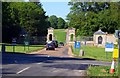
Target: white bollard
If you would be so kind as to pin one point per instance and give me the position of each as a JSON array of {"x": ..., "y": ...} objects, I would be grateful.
[{"x": 81, "y": 53}]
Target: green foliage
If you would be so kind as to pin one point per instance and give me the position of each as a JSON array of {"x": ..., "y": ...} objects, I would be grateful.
[
  {"x": 116, "y": 46},
  {"x": 53, "y": 21},
  {"x": 57, "y": 23},
  {"x": 32, "y": 18},
  {"x": 88, "y": 17},
  {"x": 10, "y": 27},
  {"x": 61, "y": 23},
  {"x": 28, "y": 16},
  {"x": 66, "y": 25},
  {"x": 12, "y": 0}
]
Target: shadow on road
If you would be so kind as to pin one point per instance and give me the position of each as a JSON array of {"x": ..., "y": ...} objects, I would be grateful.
[
  {"x": 69, "y": 66},
  {"x": 22, "y": 58}
]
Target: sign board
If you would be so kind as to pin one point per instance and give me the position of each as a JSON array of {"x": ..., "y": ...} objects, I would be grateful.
[
  {"x": 109, "y": 47},
  {"x": 115, "y": 53},
  {"x": 26, "y": 43},
  {"x": 77, "y": 45},
  {"x": 14, "y": 41}
]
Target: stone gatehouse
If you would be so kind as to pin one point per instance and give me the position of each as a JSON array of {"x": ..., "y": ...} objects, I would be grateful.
[{"x": 100, "y": 38}]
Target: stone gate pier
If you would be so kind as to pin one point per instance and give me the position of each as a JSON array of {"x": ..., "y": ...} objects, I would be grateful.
[{"x": 50, "y": 35}]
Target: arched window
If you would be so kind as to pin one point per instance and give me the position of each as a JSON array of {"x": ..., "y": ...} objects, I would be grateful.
[
  {"x": 100, "y": 39},
  {"x": 71, "y": 37},
  {"x": 50, "y": 37}
]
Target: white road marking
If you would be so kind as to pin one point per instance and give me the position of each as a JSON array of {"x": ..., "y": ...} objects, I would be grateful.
[
  {"x": 22, "y": 70},
  {"x": 60, "y": 70},
  {"x": 39, "y": 63},
  {"x": 56, "y": 70}
]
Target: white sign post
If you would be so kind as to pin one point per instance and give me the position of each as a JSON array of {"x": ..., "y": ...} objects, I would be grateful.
[{"x": 109, "y": 47}]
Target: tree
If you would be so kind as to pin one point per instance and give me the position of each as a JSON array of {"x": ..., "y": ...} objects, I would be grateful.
[
  {"x": 32, "y": 18},
  {"x": 12, "y": 0},
  {"x": 23, "y": 15},
  {"x": 10, "y": 28},
  {"x": 53, "y": 21},
  {"x": 66, "y": 25},
  {"x": 61, "y": 23},
  {"x": 88, "y": 17}
]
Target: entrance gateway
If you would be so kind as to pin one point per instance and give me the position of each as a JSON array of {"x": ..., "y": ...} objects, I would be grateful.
[
  {"x": 100, "y": 38},
  {"x": 50, "y": 34},
  {"x": 70, "y": 35}
]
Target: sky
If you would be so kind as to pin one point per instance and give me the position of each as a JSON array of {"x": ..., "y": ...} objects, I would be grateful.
[{"x": 60, "y": 9}]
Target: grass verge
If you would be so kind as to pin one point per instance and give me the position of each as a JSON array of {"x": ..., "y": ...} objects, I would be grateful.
[
  {"x": 101, "y": 71},
  {"x": 97, "y": 53},
  {"x": 93, "y": 52},
  {"x": 22, "y": 48}
]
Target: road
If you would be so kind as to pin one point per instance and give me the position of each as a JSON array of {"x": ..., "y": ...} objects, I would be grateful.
[
  {"x": 60, "y": 52},
  {"x": 46, "y": 63}
]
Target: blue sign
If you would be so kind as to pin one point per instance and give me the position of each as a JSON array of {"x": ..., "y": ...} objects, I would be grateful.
[
  {"x": 109, "y": 45},
  {"x": 77, "y": 45}
]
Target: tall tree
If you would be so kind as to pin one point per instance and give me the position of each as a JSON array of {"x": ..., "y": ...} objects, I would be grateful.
[
  {"x": 88, "y": 17},
  {"x": 32, "y": 18},
  {"x": 23, "y": 15},
  {"x": 53, "y": 21},
  {"x": 61, "y": 23},
  {"x": 10, "y": 27}
]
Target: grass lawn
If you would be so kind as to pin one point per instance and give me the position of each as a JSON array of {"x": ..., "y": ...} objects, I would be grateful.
[
  {"x": 94, "y": 53},
  {"x": 24, "y": 49},
  {"x": 101, "y": 71},
  {"x": 60, "y": 35}
]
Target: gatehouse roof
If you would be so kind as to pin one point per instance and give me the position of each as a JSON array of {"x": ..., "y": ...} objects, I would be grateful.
[{"x": 99, "y": 32}]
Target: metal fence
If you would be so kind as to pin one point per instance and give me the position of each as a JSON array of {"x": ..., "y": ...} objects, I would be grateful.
[
  {"x": 84, "y": 38},
  {"x": 33, "y": 40}
]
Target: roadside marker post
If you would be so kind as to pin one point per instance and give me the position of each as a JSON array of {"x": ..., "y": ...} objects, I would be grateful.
[
  {"x": 115, "y": 54},
  {"x": 118, "y": 34},
  {"x": 77, "y": 45},
  {"x": 26, "y": 43},
  {"x": 112, "y": 69},
  {"x": 14, "y": 44}
]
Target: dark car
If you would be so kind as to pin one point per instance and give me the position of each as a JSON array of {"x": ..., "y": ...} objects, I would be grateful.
[
  {"x": 55, "y": 42},
  {"x": 50, "y": 46},
  {"x": 61, "y": 44}
]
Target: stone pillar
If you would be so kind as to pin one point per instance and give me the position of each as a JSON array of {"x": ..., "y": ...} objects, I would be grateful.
[
  {"x": 50, "y": 32},
  {"x": 68, "y": 35}
]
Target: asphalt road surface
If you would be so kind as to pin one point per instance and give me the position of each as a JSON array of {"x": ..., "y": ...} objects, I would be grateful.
[{"x": 42, "y": 63}]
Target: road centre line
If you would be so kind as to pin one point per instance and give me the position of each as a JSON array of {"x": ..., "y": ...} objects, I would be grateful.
[{"x": 23, "y": 70}]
